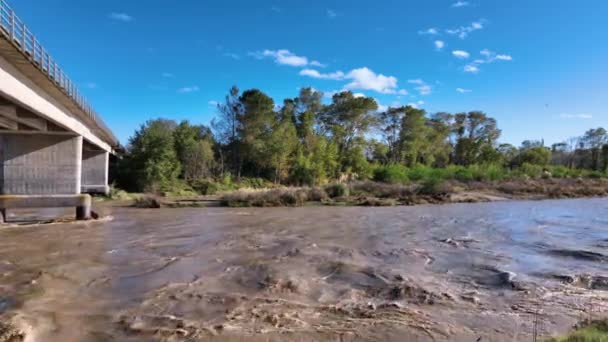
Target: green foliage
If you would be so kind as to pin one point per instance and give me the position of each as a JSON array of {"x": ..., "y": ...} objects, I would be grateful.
[
  {"x": 535, "y": 156},
  {"x": 152, "y": 162},
  {"x": 594, "y": 331},
  {"x": 392, "y": 173},
  {"x": 304, "y": 142},
  {"x": 530, "y": 170}
]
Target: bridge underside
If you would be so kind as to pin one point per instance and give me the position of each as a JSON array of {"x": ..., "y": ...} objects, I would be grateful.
[{"x": 51, "y": 150}]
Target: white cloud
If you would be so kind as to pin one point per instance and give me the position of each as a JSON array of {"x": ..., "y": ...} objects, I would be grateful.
[
  {"x": 416, "y": 81},
  {"x": 359, "y": 95},
  {"x": 338, "y": 75},
  {"x": 190, "y": 89},
  {"x": 331, "y": 13},
  {"x": 413, "y": 105},
  {"x": 424, "y": 89},
  {"x": 317, "y": 64},
  {"x": 420, "y": 102},
  {"x": 492, "y": 56},
  {"x": 576, "y": 116},
  {"x": 473, "y": 69},
  {"x": 232, "y": 55},
  {"x": 167, "y": 75},
  {"x": 463, "y": 91},
  {"x": 213, "y": 103},
  {"x": 366, "y": 79},
  {"x": 432, "y": 31},
  {"x": 124, "y": 17},
  {"x": 360, "y": 79},
  {"x": 461, "y": 54},
  {"x": 439, "y": 44},
  {"x": 460, "y": 4},
  {"x": 285, "y": 57},
  {"x": 463, "y": 31}
]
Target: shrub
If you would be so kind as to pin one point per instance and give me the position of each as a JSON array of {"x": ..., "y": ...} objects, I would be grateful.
[
  {"x": 254, "y": 183},
  {"x": 381, "y": 190},
  {"x": 431, "y": 186},
  {"x": 392, "y": 173},
  {"x": 266, "y": 198},
  {"x": 560, "y": 171},
  {"x": 464, "y": 174},
  {"x": 530, "y": 170},
  {"x": 420, "y": 172},
  {"x": 147, "y": 201},
  {"x": 317, "y": 194},
  {"x": 118, "y": 194},
  {"x": 337, "y": 190}
]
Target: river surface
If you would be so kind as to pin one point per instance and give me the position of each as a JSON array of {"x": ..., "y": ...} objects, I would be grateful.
[{"x": 465, "y": 272}]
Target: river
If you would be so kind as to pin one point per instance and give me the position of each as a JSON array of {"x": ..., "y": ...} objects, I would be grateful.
[{"x": 465, "y": 272}]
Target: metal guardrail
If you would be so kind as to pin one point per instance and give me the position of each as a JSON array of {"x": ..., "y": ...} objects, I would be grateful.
[{"x": 17, "y": 32}]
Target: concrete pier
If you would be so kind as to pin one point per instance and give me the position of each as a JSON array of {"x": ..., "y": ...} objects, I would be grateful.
[
  {"x": 40, "y": 165},
  {"x": 95, "y": 165}
]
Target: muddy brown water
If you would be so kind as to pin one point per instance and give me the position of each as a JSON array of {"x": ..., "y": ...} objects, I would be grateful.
[{"x": 464, "y": 272}]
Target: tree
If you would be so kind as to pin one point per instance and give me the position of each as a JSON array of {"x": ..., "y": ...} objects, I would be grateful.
[
  {"x": 593, "y": 140},
  {"x": 151, "y": 159},
  {"x": 348, "y": 119},
  {"x": 413, "y": 136},
  {"x": 390, "y": 121},
  {"x": 438, "y": 144},
  {"x": 190, "y": 150},
  {"x": 476, "y": 133},
  {"x": 226, "y": 127},
  {"x": 255, "y": 129},
  {"x": 282, "y": 144}
]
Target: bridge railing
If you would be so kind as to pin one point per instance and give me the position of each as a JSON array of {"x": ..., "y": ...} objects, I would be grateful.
[{"x": 17, "y": 32}]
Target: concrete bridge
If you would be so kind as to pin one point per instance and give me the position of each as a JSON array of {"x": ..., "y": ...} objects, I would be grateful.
[{"x": 54, "y": 148}]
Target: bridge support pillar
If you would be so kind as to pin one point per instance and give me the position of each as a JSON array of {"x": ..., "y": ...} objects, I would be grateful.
[
  {"x": 41, "y": 170},
  {"x": 95, "y": 172}
]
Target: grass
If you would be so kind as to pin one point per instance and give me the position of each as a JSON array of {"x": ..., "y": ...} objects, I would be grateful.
[{"x": 594, "y": 331}]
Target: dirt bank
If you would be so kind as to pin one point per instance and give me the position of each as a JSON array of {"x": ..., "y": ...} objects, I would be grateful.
[{"x": 382, "y": 194}]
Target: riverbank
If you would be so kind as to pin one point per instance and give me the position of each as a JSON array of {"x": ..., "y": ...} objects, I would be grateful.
[{"x": 370, "y": 193}]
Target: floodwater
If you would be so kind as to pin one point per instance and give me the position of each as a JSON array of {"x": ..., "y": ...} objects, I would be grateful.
[{"x": 465, "y": 272}]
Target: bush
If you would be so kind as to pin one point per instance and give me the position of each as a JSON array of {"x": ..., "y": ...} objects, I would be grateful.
[
  {"x": 530, "y": 170},
  {"x": 431, "y": 186},
  {"x": 147, "y": 201},
  {"x": 560, "y": 171},
  {"x": 392, "y": 173},
  {"x": 254, "y": 183},
  {"x": 381, "y": 190},
  {"x": 267, "y": 198},
  {"x": 337, "y": 190},
  {"x": 464, "y": 174},
  {"x": 594, "y": 331},
  {"x": 118, "y": 194},
  {"x": 420, "y": 173},
  {"x": 317, "y": 194}
]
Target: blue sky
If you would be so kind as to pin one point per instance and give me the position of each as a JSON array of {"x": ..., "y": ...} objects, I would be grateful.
[{"x": 538, "y": 66}]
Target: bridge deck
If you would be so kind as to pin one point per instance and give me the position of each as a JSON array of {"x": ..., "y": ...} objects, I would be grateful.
[{"x": 21, "y": 48}]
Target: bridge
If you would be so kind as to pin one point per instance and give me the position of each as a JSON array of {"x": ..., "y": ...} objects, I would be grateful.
[{"x": 54, "y": 148}]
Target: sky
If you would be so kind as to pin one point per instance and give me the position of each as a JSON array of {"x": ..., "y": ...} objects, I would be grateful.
[{"x": 538, "y": 66}]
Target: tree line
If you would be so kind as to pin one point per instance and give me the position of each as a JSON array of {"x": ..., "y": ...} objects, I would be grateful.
[{"x": 306, "y": 142}]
